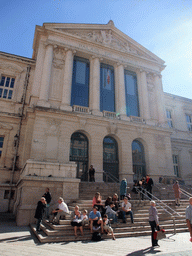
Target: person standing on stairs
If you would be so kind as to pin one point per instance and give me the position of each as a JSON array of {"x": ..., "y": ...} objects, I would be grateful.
[
  {"x": 123, "y": 189},
  {"x": 91, "y": 174},
  {"x": 177, "y": 193},
  {"x": 41, "y": 205},
  {"x": 149, "y": 185},
  {"x": 47, "y": 197}
]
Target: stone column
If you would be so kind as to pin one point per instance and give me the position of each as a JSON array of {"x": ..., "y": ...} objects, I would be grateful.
[
  {"x": 46, "y": 77},
  {"x": 143, "y": 95},
  {"x": 95, "y": 86},
  {"x": 117, "y": 109},
  {"x": 67, "y": 81},
  {"x": 121, "y": 92},
  {"x": 38, "y": 70},
  {"x": 160, "y": 101}
]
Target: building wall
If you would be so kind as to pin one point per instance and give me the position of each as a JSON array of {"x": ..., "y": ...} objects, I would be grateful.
[{"x": 49, "y": 120}]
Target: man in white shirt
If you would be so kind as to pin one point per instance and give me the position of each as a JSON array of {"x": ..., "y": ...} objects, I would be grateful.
[
  {"x": 126, "y": 210},
  {"x": 189, "y": 217},
  {"x": 61, "y": 211}
]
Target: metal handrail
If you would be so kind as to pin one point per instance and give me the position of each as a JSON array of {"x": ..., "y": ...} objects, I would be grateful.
[
  {"x": 160, "y": 201},
  {"x": 111, "y": 176},
  {"x": 157, "y": 199},
  {"x": 184, "y": 192}
]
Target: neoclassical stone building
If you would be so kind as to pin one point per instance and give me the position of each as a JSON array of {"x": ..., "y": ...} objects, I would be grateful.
[{"x": 89, "y": 95}]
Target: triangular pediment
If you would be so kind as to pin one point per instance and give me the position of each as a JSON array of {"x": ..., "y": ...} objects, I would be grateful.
[{"x": 107, "y": 35}]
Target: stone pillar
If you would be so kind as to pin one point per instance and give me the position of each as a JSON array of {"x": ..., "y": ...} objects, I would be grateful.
[
  {"x": 160, "y": 101},
  {"x": 143, "y": 95},
  {"x": 38, "y": 70},
  {"x": 46, "y": 77},
  {"x": 67, "y": 81},
  {"x": 95, "y": 86},
  {"x": 117, "y": 109},
  {"x": 121, "y": 92}
]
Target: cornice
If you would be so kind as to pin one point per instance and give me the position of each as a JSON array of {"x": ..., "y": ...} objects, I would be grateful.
[{"x": 12, "y": 57}]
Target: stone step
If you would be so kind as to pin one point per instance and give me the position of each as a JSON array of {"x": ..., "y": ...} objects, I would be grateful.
[
  {"x": 64, "y": 231},
  {"x": 43, "y": 238}
]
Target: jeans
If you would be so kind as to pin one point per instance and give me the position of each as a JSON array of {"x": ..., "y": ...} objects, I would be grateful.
[
  {"x": 127, "y": 213},
  {"x": 112, "y": 216},
  {"x": 38, "y": 224}
]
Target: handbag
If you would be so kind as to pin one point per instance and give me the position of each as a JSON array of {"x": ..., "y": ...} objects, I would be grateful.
[{"x": 158, "y": 235}]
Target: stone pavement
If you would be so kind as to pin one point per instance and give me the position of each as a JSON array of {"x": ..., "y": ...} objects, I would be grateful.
[{"x": 19, "y": 241}]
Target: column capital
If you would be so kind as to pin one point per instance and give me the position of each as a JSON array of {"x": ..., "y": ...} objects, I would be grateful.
[
  {"x": 117, "y": 64},
  {"x": 94, "y": 57},
  {"x": 46, "y": 44}
]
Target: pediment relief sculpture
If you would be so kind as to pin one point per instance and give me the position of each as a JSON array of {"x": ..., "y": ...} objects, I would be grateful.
[
  {"x": 5, "y": 126},
  {"x": 150, "y": 82},
  {"x": 58, "y": 58},
  {"x": 112, "y": 128},
  {"x": 11, "y": 67},
  {"x": 106, "y": 37}
]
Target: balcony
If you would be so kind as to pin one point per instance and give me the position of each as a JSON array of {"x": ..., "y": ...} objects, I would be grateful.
[{"x": 80, "y": 109}]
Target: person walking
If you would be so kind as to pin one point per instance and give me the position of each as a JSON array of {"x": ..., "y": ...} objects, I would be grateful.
[
  {"x": 123, "y": 189},
  {"x": 189, "y": 217},
  {"x": 154, "y": 222},
  {"x": 41, "y": 205},
  {"x": 177, "y": 192}
]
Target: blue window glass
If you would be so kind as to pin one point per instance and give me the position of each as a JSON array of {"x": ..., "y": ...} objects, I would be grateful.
[
  {"x": 5, "y": 93},
  {"x": 1, "y": 141},
  {"x": 1, "y": 144},
  {"x": 7, "y": 82},
  {"x": 10, "y": 94},
  {"x": 132, "y": 106},
  {"x": 80, "y": 82},
  {"x": 107, "y": 94},
  {"x": 12, "y": 83},
  {"x": 2, "y": 81},
  {"x": 1, "y": 91}
]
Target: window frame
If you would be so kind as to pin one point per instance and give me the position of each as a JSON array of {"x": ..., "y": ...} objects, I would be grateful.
[
  {"x": 169, "y": 119},
  {"x": 134, "y": 75},
  {"x": 8, "y": 88},
  {"x": 1, "y": 148},
  {"x": 189, "y": 124},
  {"x": 176, "y": 165}
]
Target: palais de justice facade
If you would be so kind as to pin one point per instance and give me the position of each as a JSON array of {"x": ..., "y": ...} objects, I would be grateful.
[{"x": 89, "y": 95}]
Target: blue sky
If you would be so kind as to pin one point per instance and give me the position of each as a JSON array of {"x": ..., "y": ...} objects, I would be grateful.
[{"x": 162, "y": 26}]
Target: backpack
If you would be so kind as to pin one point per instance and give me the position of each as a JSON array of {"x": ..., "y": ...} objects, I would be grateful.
[{"x": 96, "y": 236}]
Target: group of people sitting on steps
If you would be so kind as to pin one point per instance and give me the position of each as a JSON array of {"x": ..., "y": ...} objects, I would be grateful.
[{"x": 99, "y": 219}]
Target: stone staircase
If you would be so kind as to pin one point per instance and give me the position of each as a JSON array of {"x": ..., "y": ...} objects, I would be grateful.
[
  {"x": 64, "y": 232},
  {"x": 87, "y": 190}
]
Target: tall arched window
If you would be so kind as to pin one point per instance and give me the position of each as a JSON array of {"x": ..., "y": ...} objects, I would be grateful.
[
  {"x": 110, "y": 157},
  {"x": 138, "y": 157},
  {"x": 79, "y": 154}
]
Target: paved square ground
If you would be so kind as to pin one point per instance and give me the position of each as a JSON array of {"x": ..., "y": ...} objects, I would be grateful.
[{"x": 19, "y": 241}]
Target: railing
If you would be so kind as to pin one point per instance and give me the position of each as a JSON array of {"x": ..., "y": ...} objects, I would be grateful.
[
  {"x": 137, "y": 119},
  {"x": 109, "y": 114},
  {"x": 80, "y": 109},
  {"x": 186, "y": 193},
  {"x": 108, "y": 177},
  {"x": 160, "y": 203}
]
